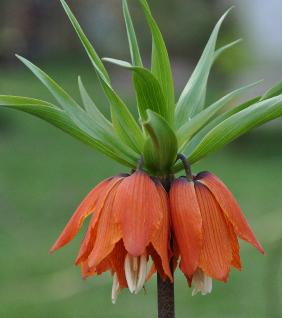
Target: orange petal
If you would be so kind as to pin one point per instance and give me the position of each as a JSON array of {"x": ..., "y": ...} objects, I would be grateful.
[
  {"x": 86, "y": 207},
  {"x": 161, "y": 239},
  {"x": 157, "y": 265},
  {"x": 86, "y": 271},
  {"x": 216, "y": 254},
  {"x": 230, "y": 207},
  {"x": 90, "y": 236},
  {"x": 138, "y": 210},
  {"x": 187, "y": 223},
  {"x": 117, "y": 259},
  {"x": 236, "y": 260},
  {"x": 108, "y": 232}
]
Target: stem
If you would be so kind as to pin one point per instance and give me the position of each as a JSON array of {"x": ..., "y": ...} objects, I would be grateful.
[
  {"x": 165, "y": 298},
  {"x": 166, "y": 307},
  {"x": 186, "y": 166}
]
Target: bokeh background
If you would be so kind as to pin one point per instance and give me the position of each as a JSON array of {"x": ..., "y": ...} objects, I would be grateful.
[{"x": 44, "y": 174}]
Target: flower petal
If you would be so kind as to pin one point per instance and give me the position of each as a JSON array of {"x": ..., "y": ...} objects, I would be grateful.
[
  {"x": 216, "y": 254},
  {"x": 108, "y": 232},
  {"x": 138, "y": 211},
  {"x": 161, "y": 239},
  {"x": 236, "y": 260},
  {"x": 90, "y": 236},
  {"x": 187, "y": 224},
  {"x": 230, "y": 207},
  {"x": 117, "y": 259},
  {"x": 86, "y": 207}
]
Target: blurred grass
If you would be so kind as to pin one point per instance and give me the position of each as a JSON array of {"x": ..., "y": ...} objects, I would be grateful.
[{"x": 44, "y": 174}]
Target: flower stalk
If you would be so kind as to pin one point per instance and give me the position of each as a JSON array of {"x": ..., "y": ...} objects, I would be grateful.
[
  {"x": 165, "y": 289},
  {"x": 166, "y": 306}
]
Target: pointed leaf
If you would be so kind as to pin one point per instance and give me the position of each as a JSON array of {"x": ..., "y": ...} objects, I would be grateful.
[
  {"x": 221, "y": 50},
  {"x": 92, "y": 127},
  {"x": 160, "y": 60},
  {"x": 91, "y": 107},
  {"x": 192, "y": 98},
  {"x": 93, "y": 56},
  {"x": 272, "y": 92},
  {"x": 160, "y": 149},
  {"x": 188, "y": 130},
  {"x": 133, "y": 43},
  {"x": 203, "y": 132},
  {"x": 148, "y": 90},
  {"x": 237, "y": 125},
  {"x": 61, "y": 120},
  {"x": 123, "y": 121}
]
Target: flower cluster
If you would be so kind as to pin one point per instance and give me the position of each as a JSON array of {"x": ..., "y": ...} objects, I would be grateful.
[{"x": 135, "y": 220}]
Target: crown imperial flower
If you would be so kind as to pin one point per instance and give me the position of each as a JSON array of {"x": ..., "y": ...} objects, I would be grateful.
[
  {"x": 129, "y": 224},
  {"x": 206, "y": 221}
]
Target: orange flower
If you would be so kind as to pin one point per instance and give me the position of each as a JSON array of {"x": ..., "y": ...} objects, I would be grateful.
[
  {"x": 206, "y": 222},
  {"x": 130, "y": 223}
]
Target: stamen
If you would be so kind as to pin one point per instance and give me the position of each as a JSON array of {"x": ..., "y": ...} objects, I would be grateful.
[
  {"x": 135, "y": 269},
  {"x": 129, "y": 274},
  {"x": 202, "y": 283},
  {"x": 115, "y": 289},
  {"x": 142, "y": 274}
]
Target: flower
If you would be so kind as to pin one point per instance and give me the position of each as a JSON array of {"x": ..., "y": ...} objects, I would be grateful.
[
  {"x": 129, "y": 224},
  {"x": 207, "y": 222}
]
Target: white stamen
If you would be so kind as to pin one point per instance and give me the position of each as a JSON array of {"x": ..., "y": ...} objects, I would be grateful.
[
  {"x": 142, "y": 274},
  {"x": 135, "y": 269},
  {"x": 129, "y": 274},
  {"x": 202, "y": 283},
  {"x": 115, "y": 289}
]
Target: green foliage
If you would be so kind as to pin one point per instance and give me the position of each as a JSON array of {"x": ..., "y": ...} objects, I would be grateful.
[
  {"x": 132, "y": 40},
  {"x": 160, "y": 60},
  {"x": 161, "y": 149},
  {"x": 192, "y": 99},
  {"x": 164, "y": 128},
  {"x": 237, "y": 125},
  {"x": 189, "y": 129},
  {"x": 124, "y": 123},
  {"x": 61, "y": 120},
  {"x": 148, "y": 90}
]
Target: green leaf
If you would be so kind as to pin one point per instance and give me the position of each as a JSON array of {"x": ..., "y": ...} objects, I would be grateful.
[
  {"x": 133, "y": 43},
  {"x": 123, "y": 121},
  {"x": 206, "y": 129},
  {"x": 228, "y": 46},
  {"x": 192, "y": 99},
  {"x": 91, "y": 107},
  {"x": 272, "y": 92},
  {"x": 160, "y": 61},
  {"x": 93, "y": 56},
  {"x": 148, "y": 90},
  {"x": 61, "y": 120},
  {"x": 64, "y": 99},
  {"x": 237, "y": 125},
  {"x": 191, "y": 127},
  {"x": 160, "y": 149},
  {"x": 90, "y": 125}
]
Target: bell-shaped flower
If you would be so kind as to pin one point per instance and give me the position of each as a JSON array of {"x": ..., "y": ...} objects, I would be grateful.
[
  {"x": 207, "y": 222},
  {"x": 129, "y": 225}
]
